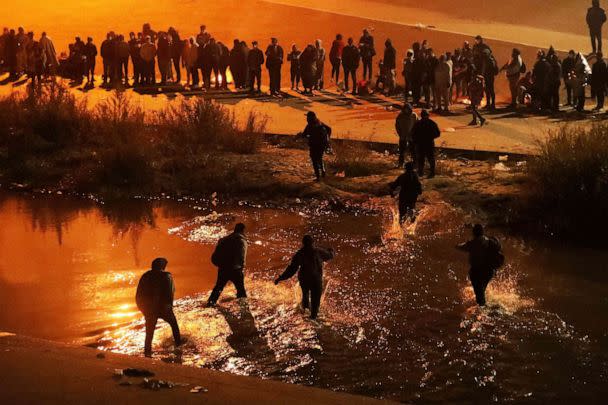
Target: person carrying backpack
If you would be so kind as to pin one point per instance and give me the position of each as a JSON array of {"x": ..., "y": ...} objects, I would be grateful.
[
  {"x": 489, "y": 70},
  {"x": 154, "y": 299},
  {"x": 229, "y": 257},
  {"x": 485, "y": 257},
  {"x": 409, "y": 190},
  {"x": 317, "y": 134}
]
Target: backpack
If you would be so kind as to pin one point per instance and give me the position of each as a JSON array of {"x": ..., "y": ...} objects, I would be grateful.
[{"x": 495, "y": 257}]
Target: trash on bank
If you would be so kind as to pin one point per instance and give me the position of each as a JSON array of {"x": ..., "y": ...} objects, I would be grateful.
[
  {"x": 135, "y": 372},
  {"x": 500, "y": 167},
  {"x": 154, "y": 384},
  {"x": 503, "y": 158},
  {"x": 198, "y": 389}
]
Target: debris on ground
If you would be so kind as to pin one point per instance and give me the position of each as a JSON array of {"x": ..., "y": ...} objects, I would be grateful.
[
  {"x": 500, "y": 167},
  {"x": 503, "y": 158},
  {"x": 133, "y": 372},
  {"x": 154, "y": 384},
  {"x": 101, "y": 355},
  {"x": 198, "y": 389}
]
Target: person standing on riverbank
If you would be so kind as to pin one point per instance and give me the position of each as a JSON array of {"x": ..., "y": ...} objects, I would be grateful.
[
  {"x": 410, "y": 189},
  {"x": 485, "y": 257},
  {"x": 308, "y": 263},
  {"x": 596, "y": 17},
  {"x": 154, "y": 299},
  {"x": 255, "y": 60},
  {"x": 318, "y": 135},
  {"x": 367, "y": 51},
  {"x": 335, "y": 57},
  {"x": 229, "y": 257},
  {"x": 274, "y": 62},
  {"x": 424, "y": 133},
  {"x": 403, "y": 125},
  {"x": 350, "y": 62}
]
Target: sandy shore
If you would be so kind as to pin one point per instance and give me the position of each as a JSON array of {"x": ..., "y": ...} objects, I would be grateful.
[{"x": 34, "y": 371}]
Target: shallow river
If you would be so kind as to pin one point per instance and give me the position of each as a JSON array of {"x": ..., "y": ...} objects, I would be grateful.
[{"x": 397, "y": 321}]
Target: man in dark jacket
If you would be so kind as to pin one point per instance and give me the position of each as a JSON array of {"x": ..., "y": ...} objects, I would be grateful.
[
  {"x": 480, "y": 250},
  {"x": 540, "y": 78},
  {"x": 176, "y": 53},
  {"x": 229, "y": 257},
  {"x": 224, "y": 63},
  {"x": 367, "y": 51},
  {"x": 134, "y": 48},
  {"x": 350, "y": 63},
  {"x": 599, "y": 80},
  {"x": 424, "y": 133},
  {"x": 255, "y": 60},
  {"x": 236, "y": 67},
  {"x": 90, "y": 51},
  {"x": 308, "y": 263},
  {"x": 274, "y": 62},
  {"x": 596, "y": 17},
  {"x": 154, "y": 299},
  {"x": 410, "y": 189},
  {"x": 318, "y": 135},
  {"x": 108, "y": 56},
  {"x": 568, "y": 66},
  {"x": 489, "y": 70}
]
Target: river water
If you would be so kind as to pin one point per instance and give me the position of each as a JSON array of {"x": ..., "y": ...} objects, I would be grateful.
[{"x": 398, "y": 319}]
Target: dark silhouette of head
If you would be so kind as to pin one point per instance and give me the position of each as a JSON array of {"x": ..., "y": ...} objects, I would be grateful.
[
  {"x": 239, "y": 228},
  {"x": 424, "y": 113},
  {"x": 350, "y": 41},
  {"x": 595, "y": 3},
  {"x": 308, "y": 241},
  {"x": 339, "y": 37},
  {"x": 407, "y": 107},
  {"x": 311, "y": 117},
  {"x": 477, "y": 230},
  {"x": 159, "y": 264}
]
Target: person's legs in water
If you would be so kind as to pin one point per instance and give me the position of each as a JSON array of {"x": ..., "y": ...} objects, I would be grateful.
[
  {"x": 238, "y": 279},
  {"x": 316, "y": 291},
  {"x": 479, "y": 280},
  {"x": 305, "y": 295},
  {"x": 430, "y": 156},
  {"x": 169, "y": 317},
  {"x": 403, "y": 145},
  {"x": 221, "y": 282},
  {"x": 151, "y": 320},
  {"x": 316, "y": 158}
]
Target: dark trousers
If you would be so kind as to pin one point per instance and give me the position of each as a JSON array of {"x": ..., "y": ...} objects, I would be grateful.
[
  {"x": 178, "y": 70},
  {"x": 194, "y": 74},
  {"x": 479, "y": 280},
  {"x": 107, "y": 71},
  {"x": 223, "y": 277},
  {"x": 596, "y": 40},
  {"x": 580, "y": 103},
  {"x": 490, "y": 93},
  {"x": 416, "y": 91},
  {"x": 295, "y": 76},
  {"x": 275, "y": 79},
  {"x": 476, "y": 114},
  {"x": 136, "y": 71},
  {"x": 316, "y": 157},
  {"x": 350, "y": 73},
  {"x": 600, "y": 95},
  {"x": 406, "y": 207},
  {"x": 151, "y": 319},
  {"x": 90, "y": 72},
  {"x": 124, "y": 69},
  {"x": 405, "y": 147},
  {"x": 367, "y": 68},
  {"x": 222, "y": 71},
  {"x": 568, "y": 94},
  {"x": 335, "y": 69},
  {"x": 255, "y": 75},
  {"x": 425, "y": 153},
  {"x": 311, "y": 295}
]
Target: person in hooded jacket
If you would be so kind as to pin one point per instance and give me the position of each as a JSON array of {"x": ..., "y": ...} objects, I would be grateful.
[
  {"x": 596, "y": 17},
  {"x": 308, "y": 68},
  {"x": 540, "y": 77},
  {"x": 317, "y": 134},
  {"x": 410, "y": 188},
  {"x": 154, "y": 299},
  {"x": 599, "y": 80},
  {"x": 230, "y": 256},
  {"x": 235, "y": 61},
  {"x": 424, "y": 133},
  {"x": 308, "y": 263}
]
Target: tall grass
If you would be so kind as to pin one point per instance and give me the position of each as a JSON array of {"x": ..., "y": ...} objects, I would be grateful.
[
  {"x": 118, "y": 147},
  {"x": 569, "y": 179}
]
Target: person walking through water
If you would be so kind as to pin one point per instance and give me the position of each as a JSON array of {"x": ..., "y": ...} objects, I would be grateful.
[
  {"x": 410, "y": 189},
  {"x": 308, "y": 263},
  {"x": 154, "y": 299},
  {"x": 229, "y": 257},
  {"x": 485, "y": 257},
  {"x": 403, "y": 125},
  {"x": 596, "y": 17},
  {"x": 424, "y": 133},
  {"x": 318, "y": 135}
]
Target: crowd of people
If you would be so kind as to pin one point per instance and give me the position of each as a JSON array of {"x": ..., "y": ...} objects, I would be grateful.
[{"x": 430, "y": 80}]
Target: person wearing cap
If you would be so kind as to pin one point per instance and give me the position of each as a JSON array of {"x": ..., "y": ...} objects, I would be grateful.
[
  {"x": 403, "y": 125},
  {"x": 308, "y": 263},
  {"x": 596, "y": 17},
  {"x": 410, "y": 188},
  {"x": 317, "y": 134},
  {"x": 274, "y": 62},
  {"x": 482, "y": 251},
  {"x": 424, "y": 133},
  {"x": 229, "y": 256},
  {"x": 255, "y": 60},
  {"x": 154, "y": 299}
]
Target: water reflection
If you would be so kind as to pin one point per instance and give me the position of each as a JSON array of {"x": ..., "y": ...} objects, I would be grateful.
[{"x": 398, "y": 318}]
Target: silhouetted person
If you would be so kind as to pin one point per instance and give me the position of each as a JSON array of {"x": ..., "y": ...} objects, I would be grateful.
[
  {"x": 350, "y": 62},
  {"x": 90, "y": 51},
  {"x": 224, "y": 63},
  {"x": 308, "y": 68},
  {"x": 154, "y": 299},
  {"x": 255, "y": 60},
  {"x": 335, "y": 57},
  {"x": 596, "y": 17},
  {"x": 320, "y": 65},
  {"x": 123, "y": 52},
  {"x": 274, "y": 61},
  {"x": 513, "y": 69},
  {"x": 236, "y": 65},
  {"x": 308, "y": 263},
  {"x": 177, "y": 46},
  {"x": 163, "y": 54},
  {"x": 403, "y": 125},
  {"x": 318, "y": 135},
  {"x": 134, "y": 49},
  {"x": 476, "y": 91},
  {"x": 568, "y": 68},
  {"x": 599, "y": 80},
  {"x": 555, "y": 79},
  {"x": 294, "y": 60},
  {"x": 367, "y": 51},
  {"x": 409, "y": 190},
  {"x": 485, "y": 257},
  {"x": 147, "y": 52},
  {"x": 108, "y": 55},
  {"x": 229, "y": 257},
  {"x": 424, "y": 133},
  {"x": 540, "y": 78},
  {"x": 489, "y": 70}
]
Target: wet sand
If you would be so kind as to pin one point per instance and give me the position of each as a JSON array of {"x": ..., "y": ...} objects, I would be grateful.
[{"x": 40, "y": 371}]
